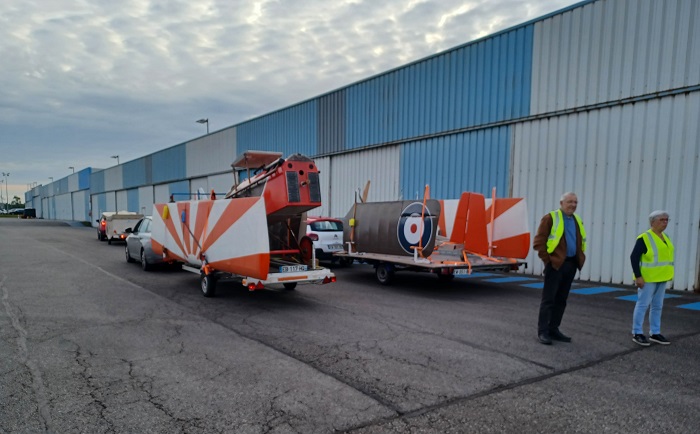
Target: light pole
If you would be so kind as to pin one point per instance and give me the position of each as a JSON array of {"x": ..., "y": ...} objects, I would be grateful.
[
  {"x": 7, "y": 195},
  {"x": 117, "y": 157},
  {"x": 1, "y": 182},
  {"x": 72, "y": 168},
  {"x": 204, "y": 121},
  {"x": 51, "y": 178}
]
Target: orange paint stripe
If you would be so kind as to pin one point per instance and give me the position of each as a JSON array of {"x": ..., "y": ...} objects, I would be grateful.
[
  {"x": 460, "y": 223},
  {"x": 256, "y": 266},
  {"x": 285, "y": 279},
  {"x": 233, "y": 212},
  {"x": 441, "y": 221},
  {"x": 186, "y": 241},
  {"x": 203, "y": 211},
  {"x": 502, "y": 205},
  {"x": 517, "y": 246},
  {"x": 170, "y": 226}
]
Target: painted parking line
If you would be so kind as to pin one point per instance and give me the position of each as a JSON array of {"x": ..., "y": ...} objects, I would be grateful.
[
  {"x": 540, "y": 285},
  {"x": 508, "y": 279},
  {"x": 473, "y": 275},
  {"x": 633, "y": 297},
  {"x": 691, "y": 306},
  {"x": 596, "y": 290}
]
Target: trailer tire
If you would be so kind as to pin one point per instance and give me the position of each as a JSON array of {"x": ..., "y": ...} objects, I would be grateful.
[
  {"x": 290, "y": 286},
  {"x": 385, "y": 273},
  {"x": 445, "y": 278},
  {"x": 207, "y": 283},
  {"x": 109, "y": 241},
  {"x": 145, "y": 266},
  {"x": 129, "y": 259}
]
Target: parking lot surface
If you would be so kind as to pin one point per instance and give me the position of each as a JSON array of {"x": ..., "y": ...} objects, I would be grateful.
[{"x": 90, "y": 343}]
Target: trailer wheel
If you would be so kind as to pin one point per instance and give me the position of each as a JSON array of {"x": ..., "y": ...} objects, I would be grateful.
[
  {"x": 109, "y": 241},
  {"x": 129, "y": 259},
  {"x": 207, "y": 284},
  {"x": 385, "y": 273},
  {"x": 144, "y": 262},
  {"x": 445, "y": 277},
  {"x": 290, "y": 286},
  {"x": 99, "y": 235}
]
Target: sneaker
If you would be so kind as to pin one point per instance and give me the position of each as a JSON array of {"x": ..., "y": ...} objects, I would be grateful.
[
  {"x": 640, "y": 340},
  {"x": 659, "y": 339}
]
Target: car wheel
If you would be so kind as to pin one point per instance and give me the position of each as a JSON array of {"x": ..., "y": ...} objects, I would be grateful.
[
  {"x": 109, "y": 241},
  {"x": 291, "y": 286},
  {"x": 385, "y": 274},
  {"x": 144, "y": 262},
  {"x": 129, "y": 259},
  {"x": 208, "y": 284},
  {"x": 99, "y": 235}
]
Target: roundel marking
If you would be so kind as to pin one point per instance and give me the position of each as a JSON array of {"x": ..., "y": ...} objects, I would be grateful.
[{"x": 410, "y": 224}]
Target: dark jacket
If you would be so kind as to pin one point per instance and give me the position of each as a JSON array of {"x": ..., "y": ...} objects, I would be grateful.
[{"x": 559, "y": 254}]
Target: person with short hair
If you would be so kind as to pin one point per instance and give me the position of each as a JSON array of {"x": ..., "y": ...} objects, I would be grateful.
[
  {"x": 561, "y": 244},
  {"x": 652, "y": 265}
]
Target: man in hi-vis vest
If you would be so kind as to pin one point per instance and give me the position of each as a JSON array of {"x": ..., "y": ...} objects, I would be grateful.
[
  {"x": 652, "y": 265},
  {"x": 561, "y": 244}
]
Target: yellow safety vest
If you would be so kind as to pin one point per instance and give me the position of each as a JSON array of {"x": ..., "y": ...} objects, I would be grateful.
[
  {"x": 558, "y": 231},
  {"x": 656, "y": 264}
]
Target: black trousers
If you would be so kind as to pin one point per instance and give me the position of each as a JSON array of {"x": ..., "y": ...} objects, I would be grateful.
[{"x": 555, "y": 292}]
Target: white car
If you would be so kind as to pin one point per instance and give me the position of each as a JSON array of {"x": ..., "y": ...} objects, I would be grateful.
[{"x": 327, "y": 236}]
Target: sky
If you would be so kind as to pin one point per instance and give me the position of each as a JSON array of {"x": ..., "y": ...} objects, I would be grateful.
[{"x": 84, "y": 80}]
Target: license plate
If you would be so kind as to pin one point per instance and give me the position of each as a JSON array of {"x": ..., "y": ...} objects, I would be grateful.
[
  {"x": 335, "y": 247},
  {"x": 461, "y": 271},
  {"x": 292, "y": 268}
]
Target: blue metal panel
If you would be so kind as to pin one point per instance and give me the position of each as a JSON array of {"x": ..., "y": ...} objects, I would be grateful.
[
  {"x": 331, "y": 123},
  {"x": 292, "y": 130},
  {"x": 477, "y": 84},
  {"x": 169, "y": 164},
  {"x": 180, "y": 190},
  {"x": 132, "y": 200},
  {"x": 475, "y": 161},
  {"x": 84, "y": 178},
  {"x": 134, "y": 173},
  {"x": 97, "y": 182},
  {"x": 101, "y": 205}
]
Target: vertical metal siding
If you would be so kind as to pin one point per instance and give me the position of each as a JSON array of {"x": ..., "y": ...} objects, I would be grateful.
[
  {"x": 114, "y": 178},
  {"x": 146, "y": 199},
  {"x": 291, "y": 130},
  {"x": 614, "y": 49},
  {"x": 475, "y": 161},
  {"x": 134, "y": 173},
  {"x": 211, "y": 154},
  {"x": 122, "y": 203},
  {"x": 180, "y": 190},
  {"x": 331, "y": 123},
  {"x": 221, "y": 183},
  {"x": 481, "y": 83},
  {"x": 73, "y": 182},
  {"x": 350, "y": 172},
  {"x": 323, "y": 165},
  {"x": 132, "y": 200},
  {"x": 612, "y": 159},
  {"x": 84, "y": 179},
  {"x": 97, "y": 183},
  {"x": 80, "y": 201},
  {"x": 169, "y": 164}
]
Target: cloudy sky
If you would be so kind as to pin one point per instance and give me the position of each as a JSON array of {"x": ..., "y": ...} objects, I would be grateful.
[{"x": 82, "y": 80}]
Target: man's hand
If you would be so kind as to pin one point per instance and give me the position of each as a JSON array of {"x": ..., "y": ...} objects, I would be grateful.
[{"x": 639, "y": 282}]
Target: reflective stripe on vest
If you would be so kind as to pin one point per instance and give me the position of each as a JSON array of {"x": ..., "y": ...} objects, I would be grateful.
[
  {"x": 558, "y": 231},
  {"x": 656, "y": 264}
]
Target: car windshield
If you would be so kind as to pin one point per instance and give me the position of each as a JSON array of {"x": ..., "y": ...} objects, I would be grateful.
[{"x": 326, "y": 226}]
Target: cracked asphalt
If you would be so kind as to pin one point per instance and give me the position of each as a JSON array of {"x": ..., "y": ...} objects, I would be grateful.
[{"x": 91, "y": 344}]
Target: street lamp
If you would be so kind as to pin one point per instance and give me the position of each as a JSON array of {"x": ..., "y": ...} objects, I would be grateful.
[
  {"x": 51, "y": 178},
  {"x": 7, "y": 195},
  {"x": 117, "y": 157},
  {"x": 204, "y": 121},
  {"x": 1, "y": 182},
  {"x": 72, "y": 168}
]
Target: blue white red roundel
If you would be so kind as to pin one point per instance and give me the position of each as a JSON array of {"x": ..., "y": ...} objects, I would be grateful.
[{"x": 411, "y": 227}]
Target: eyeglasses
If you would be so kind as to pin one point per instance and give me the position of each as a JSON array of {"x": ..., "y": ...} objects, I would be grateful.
[{"x": 664, "y": 220}]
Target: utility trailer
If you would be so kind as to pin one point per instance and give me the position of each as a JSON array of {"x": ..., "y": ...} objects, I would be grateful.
[
  {"x": 443, "y": 237},
  {"x": 112, "y": 225},
  {"x": 255, "y": 235}
]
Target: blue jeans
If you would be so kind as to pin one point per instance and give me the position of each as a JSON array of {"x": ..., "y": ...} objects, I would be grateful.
[{"x": 651, "y": 293}]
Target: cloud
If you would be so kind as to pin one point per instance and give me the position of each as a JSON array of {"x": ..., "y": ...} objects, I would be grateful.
[{"x": 86, "y": 79}]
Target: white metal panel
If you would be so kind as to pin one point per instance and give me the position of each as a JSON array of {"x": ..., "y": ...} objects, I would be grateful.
[
  {"x": 221, "y": 184},
  {"x": 200, "y": 183},
  {"x": 614, "y": 49},
  {"x": 122, "y": 200},
  {"x": 64, "y": 207},
  {"x": 113, "y": 178},
  {"x": 146, "y": 199},
  {"x": 80, "y": 200},
  {"x": 623, "y": 162},
  {"x": 211, "y": 154},
  {"x": 161, "y": 193},
  {"x": 110, "y": 198},
  {"x": 324, "y": 168},
  {"x": 350, "y": 172},
  {"x": 73, "y": 182}
]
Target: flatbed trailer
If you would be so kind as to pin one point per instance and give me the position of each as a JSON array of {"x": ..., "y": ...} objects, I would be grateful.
[{"x": 445, "y": 266}]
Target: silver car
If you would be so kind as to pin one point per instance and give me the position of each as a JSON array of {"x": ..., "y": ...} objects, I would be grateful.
[{"x": 138, "y": 245}]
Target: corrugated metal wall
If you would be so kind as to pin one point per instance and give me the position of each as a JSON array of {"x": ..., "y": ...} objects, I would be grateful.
[
  {"x": 136, "y": 173},
  {"x": 221, "y": 183},
  {"x": 169, "y": 164},
  {"x": 350, "y": 173},
  {"x": 623, "y": 162},
  {"x": 146, "y": 199},
  {"x": 211, "y": 154},
  {"x": 614, "y": 49},
  {"x": 63, "y": 207},
  {"x": 288, "y": 131},
  {"x": 80, "y": 201},
  {"x": 475, "y": 161},
  {"x": 114, "y": 179},
  {"x": 324, "y": 178}
]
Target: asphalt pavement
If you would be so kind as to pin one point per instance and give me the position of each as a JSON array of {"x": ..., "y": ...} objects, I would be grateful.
[{"x": 90, "y": 343}]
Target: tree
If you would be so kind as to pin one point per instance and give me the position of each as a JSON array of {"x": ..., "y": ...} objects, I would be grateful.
[{"x": 16, "y": 202}]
